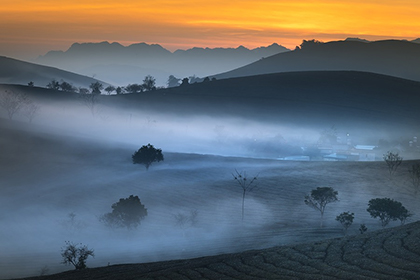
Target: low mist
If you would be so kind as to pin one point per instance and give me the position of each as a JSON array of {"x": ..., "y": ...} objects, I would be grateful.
[{"x": 63, "y": 170}]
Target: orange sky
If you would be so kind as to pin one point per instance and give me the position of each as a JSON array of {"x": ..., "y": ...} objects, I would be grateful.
[{"x": 29, "y": 28}]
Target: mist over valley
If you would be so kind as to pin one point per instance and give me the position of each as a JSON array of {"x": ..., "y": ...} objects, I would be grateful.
[{"x": 67, "y": 163}]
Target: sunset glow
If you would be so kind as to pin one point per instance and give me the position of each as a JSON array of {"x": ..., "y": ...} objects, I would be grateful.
[{"x": 34, "y": 28}]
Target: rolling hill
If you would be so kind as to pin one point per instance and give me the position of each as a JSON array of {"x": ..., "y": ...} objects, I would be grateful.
[
  {"x": 13, "y": 71},
  {"x": 390, "y": 57}
]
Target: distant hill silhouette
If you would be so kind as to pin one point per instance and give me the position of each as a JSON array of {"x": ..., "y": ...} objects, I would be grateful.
[
  {"x": 13, "y": 71},
  {"x": 390, "y": 57},
  {"x": 121, "y": 65}
]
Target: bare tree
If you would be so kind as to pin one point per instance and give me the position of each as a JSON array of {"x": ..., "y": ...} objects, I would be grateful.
[
  {"x": 90, "y": 100},
  {"x": 319, "y": 198},
  {"x": 30, "y": 111},
  {"x": 76, "y": 254},
  {"x": 393, "y": 160},
  {"x": 12, "y": 102},
  {"x": 246, "y": 184}
]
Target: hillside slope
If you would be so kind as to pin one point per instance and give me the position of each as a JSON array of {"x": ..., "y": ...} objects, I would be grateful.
[
  {"x": 391, "y": 57},
  {"x": 13, "y": 71},
  {"x": 386, "y": 254}
]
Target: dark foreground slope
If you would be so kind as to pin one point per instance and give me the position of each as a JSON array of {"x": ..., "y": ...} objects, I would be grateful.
[
  {"x": 390, "y": 57},
  {"x": 386, "y": 254}
]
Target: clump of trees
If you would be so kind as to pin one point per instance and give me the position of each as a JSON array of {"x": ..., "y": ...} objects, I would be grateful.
[
  {"x": 387, "y": 210},
  {"x": 247, "y": 185},
  {"x": 147, "y": 155},
  {"x": 319, "y": 198},
  {"x": 127, "y": 212},
  {"x": 393, "y": 160},
  {"x": 346, "y": 220},
  {"x": 76, "y": 254}
]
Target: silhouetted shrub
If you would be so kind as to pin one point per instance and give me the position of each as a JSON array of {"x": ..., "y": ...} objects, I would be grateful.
[
  {"x": 147, "y": 155},
  {"x": 387, "y": 210},
  {"x": 127, "y": 212}
]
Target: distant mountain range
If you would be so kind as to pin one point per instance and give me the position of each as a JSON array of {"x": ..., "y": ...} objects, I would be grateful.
[
  {"x": 397, "y": 58},
  {"x": 14, "y": 71},
  {"x": 122, "y": 65}
]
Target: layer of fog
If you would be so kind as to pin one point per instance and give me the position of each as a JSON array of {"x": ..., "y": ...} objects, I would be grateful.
[{"x": 69, "y": 160}]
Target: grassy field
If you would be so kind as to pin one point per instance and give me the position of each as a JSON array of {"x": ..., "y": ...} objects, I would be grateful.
[{"x": 44, "y": 178}]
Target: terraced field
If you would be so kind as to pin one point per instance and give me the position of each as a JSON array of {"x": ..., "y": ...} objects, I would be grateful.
[{"x": 385, "y": 254}]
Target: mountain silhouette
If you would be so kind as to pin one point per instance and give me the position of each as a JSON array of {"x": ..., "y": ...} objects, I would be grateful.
[
  {"x": 138, "y": 60},
  {"x": 390, "y": 57}
]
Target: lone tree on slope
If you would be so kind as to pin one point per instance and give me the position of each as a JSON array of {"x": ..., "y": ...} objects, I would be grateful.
[
  {"x": 76, "y": 254},
  {"x": 387, "y": 210},
  {"x": 147, "y": 155},
  {"x": 127, "y": 212},
  {"x": 393, "y": 160},
  {"x": 246, "y": 184},
  {"x": 319, "y": 198}
]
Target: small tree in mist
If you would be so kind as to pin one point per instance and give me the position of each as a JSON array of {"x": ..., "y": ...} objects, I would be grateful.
[
  {"x": 88, "y": 99},
  {"x": 54, "y": 85},
  {"x": 393, "y": 160},
  {"x": 65, "y": 86},
  {"x": 319, "y": 198},
  {"x": 149, "y": 83},
  {"x": 147, "y": 155},
  {"x": 387, "y": 210},
  {"x": 30, "y": 111},
  {"x": 183, "y": 220},
  {"x": 346, "y": 220},
  {"x": 110, "y": 89},
  {"x": 96, "y": 87},
  {"x": 76, "y": 254},
  {"x": 415, "y": 176},
  {"x": 246, "y": 185},
  {"x": 127, "y": 212},
  {"x": 13, "y": 102},
  {"x": 134, "y": 88},
  {"x": 362, "y": 228}
]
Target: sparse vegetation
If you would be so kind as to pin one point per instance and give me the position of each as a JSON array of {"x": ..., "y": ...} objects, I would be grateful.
[
  {"x": 246, "y": 184},
  {"x": 319, "y": 198},
  {"x": 76, "y": 254},
  {"x": 90, "y": 100},
  {"x": 393, "y": 160},
  {"x": 14, "y": 103},
  {"x": 127, "y": 212},
  {"x": 147, "y": 155},
  {"x": 183, "y": 220},
  {"x": 387, "y": 210},
  {"x": 346, "y": 220},
  {"x": 415, "y": 176},
  {"x": 362, "y": 228}
]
